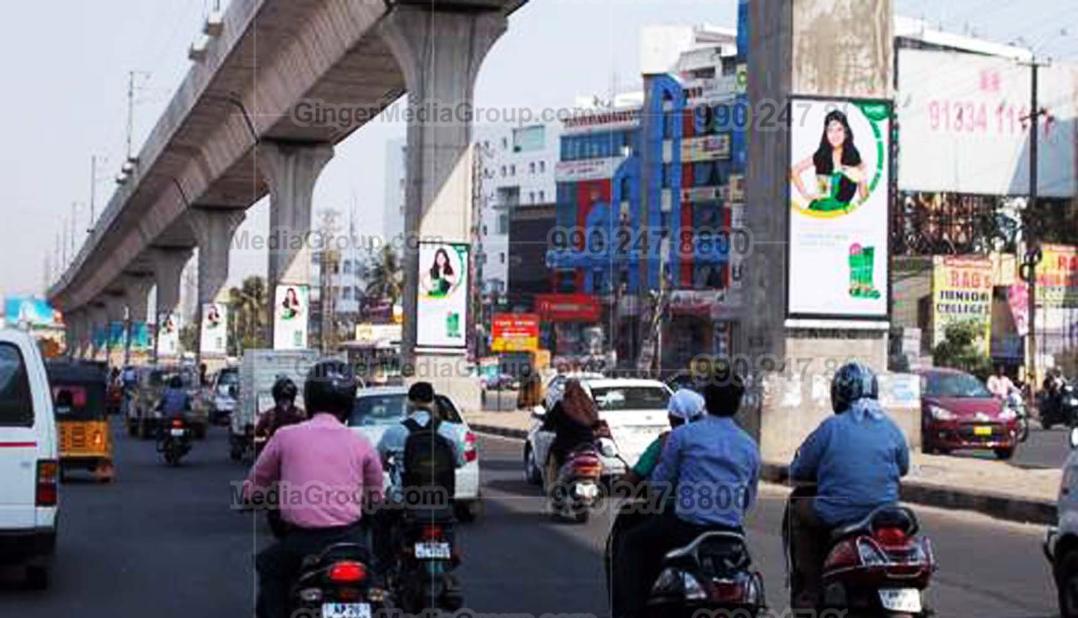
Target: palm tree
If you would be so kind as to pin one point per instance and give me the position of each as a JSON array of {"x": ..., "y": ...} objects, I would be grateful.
[
  {"x": 385, "y": 277},
  {"x": 248, "y": 307}
]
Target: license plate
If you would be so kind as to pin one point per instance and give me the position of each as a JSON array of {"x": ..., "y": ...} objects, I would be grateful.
[
  {"x": 901, "y": 600},
  {"x": 982, "y": 431},
  {"x": 432, "y": 551},
  {"x": 346, "y": 610},
  {"x": 177, "y": 433}
]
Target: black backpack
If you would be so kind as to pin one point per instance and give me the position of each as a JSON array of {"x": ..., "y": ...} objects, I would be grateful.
[{"x": 429, "y": 458}]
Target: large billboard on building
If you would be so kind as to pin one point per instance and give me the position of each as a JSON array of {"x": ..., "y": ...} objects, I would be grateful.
[
  {"x": 963, "y": 124},
  {"x": 962, "y": 292},
  {"x": 168, "y": 334},
  {"x": 214, "y": 332},
  {"x": 30, "y": 312},
  {"x": 442, "y": 305},
  {"x": 514, "y": 332},
  {"x": 1057, "y": 299},
  {"x": 839, "y": 195},
  {"x": 291, "y": 312}
]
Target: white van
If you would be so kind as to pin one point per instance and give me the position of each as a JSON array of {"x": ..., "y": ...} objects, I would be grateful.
[{"x": 29, "y": 475}]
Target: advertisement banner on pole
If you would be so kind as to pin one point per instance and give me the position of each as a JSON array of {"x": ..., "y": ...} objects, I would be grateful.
[
  {"x": 291, "y": 313},
  {"x": 962, "y": 292},
  {"x": 442, "y": 302},
  {"x": 839, "y": 194},
  {"x": 168, "y": 335},
  {"x": 515, "y": 332},
  {"x": 1057, "y": 299},
  {"x": 214, "y": 333},
  {"x": 140, "y": 337}
]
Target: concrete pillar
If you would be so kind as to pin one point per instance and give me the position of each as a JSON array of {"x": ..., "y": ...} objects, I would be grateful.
[
  {"x": 291, "y": 170},
  {"x": 72, "y": 324},
  {"x": 115, "y": 311},
  {"x": 793, "y": 51},
  {"x": 86, "y": 332},
  {"x": 136, "y": 296},
  {"x": 213, "y": 229},
  {"x": 168, "y": 264},
  {"x": 440, "y": 56}
]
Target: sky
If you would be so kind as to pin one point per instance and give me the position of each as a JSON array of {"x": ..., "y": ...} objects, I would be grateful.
[{"x": 66, "y": 65}]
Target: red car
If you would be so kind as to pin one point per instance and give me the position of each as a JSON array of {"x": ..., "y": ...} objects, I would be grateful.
[{"x": 958, "y": 412}]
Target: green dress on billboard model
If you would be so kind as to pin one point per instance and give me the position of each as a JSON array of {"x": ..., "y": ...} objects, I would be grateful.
[
  {"x": 829, "y": 185},
  {"x": 862, "y": 267}
]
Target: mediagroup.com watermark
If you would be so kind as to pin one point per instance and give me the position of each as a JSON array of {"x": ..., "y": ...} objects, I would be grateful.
[
  {"x": 316, "y": 495},
  {"x": 346, "y": 116}
]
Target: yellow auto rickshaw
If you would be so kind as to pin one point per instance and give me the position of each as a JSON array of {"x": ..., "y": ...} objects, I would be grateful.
[{"x": 78, "y": 392}]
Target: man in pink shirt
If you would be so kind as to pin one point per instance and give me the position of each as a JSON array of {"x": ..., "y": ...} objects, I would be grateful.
[{"x": 325, "y": 475}]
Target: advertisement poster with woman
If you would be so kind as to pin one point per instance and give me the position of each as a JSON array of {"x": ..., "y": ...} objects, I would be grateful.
[
  {"x": 839, "y": 194},
  {"x": 290, "y": 317},
  {"x": 214, "y": 329},
  {"x": 442, "y": 303},
  {"x": 168, "y": 335}
]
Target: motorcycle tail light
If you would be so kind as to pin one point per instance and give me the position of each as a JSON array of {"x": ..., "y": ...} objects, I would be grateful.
[
  {"x": 891, "y": 538},
  {"x": 842, "y": 555},
  {"x": 347, "y": 572},
  {"x": 349, "y": 594},
  {"x": 725, "y": 592},
  {"x": 431, "y": 533},
  {"x": 177, "y": 423}
]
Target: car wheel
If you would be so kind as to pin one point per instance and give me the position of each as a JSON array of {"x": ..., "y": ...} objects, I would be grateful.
[
  {"x": 1004, "y": 453},
  {"x": 532, "y": 474},
  {"x": 1067, "y": 584},
  {"x": 37, "y": 577}
]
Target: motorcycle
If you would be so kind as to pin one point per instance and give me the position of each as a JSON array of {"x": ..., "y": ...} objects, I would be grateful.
[
  {"x": 1017, "y": 404},
  {"x": 174, "y": 441},
  {"x": 879, "y": 566},
  {"x": 576, "y": 489},
  {"x": 1059, "y": 409},
  {"x": 421, "y": 576},
  {"x": 337, "y": 583},
  {"x": 712, "y": 574}
]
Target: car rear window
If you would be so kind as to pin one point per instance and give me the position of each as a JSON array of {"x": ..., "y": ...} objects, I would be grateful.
[
  {"x": 377, "y": 410},
  {"x": 16, "y": 402},
  {"x": 630, "y": 398}
]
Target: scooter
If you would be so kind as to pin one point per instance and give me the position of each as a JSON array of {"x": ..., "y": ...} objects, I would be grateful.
[
  {"x": 337, "y": 583},
  {"x": 1015, "y": 403},
  {"x": 174, "y": 441},
  {"x": 576, "y": 489},
  {"x": 879, "y": 566},
  {"x": 713, "y": 575},
  {"x": 1059, "y": 409}
]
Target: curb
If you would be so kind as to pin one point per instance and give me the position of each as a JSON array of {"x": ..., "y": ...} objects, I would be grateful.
[{"x": 1000, "y": 506}]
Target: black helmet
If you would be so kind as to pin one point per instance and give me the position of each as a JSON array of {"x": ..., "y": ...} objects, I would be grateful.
[
  {"x": 852, "y": 381},
  {"x": 175, "y": 382},
  {"x": 421, "y": 393},
  {"x": 330, "y": 387},
  {"x": 284, "y": 388},
  {"x": 723, "y": 389}
]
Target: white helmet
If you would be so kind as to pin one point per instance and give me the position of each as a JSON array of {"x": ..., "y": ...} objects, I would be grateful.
[{"x": 687, "y": 405}]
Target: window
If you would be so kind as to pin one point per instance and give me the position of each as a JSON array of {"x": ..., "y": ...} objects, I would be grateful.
[
  {"x": 542, "y": 167},
  {"x": 501, "y": 257},
  {"x": 668, "y": 172},
  {"x": 503, "y": 171},
  {"x": 505, "y": 142},
  {"x": 542, "y": 196},
  {"x": 485, "y": 229},
  {"x": 16, "y": 401},
  {"x": 531, "y": 167},
  {"x": 512, "y": 169},
  {"x": 503, "y": 223},
  {"x": 531, "y": 197}
]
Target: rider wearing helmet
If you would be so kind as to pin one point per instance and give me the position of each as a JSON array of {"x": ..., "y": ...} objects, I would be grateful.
[
  {"x": 856, "y": 458},
  {"x": 284, "y": 411},
  {"x": 174, "y": 399},
  {"x": 685, "y": 406},
  {"x": 320, "y": 460}
]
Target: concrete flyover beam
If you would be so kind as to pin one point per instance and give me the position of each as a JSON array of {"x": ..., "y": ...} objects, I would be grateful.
[
  {"x": 440, "y": 53},
  {"x": 291, "y": 170},
  {"x": 213, "y": 229}
]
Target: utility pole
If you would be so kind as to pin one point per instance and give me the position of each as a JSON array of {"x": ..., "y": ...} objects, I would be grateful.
[
  {"x": 74, "y": 207},
  {"x": 130, "y": 111},
  {"x": 1033, "y": 254},
  {"x": 93, "y": 186}
]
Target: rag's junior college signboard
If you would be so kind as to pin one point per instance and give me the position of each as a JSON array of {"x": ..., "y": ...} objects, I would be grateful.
[{"x": 838, "y": 198}]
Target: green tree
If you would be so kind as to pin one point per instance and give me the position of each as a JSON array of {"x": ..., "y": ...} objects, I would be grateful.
[
  {"x": 959, "y": 349},
  {"x": 189, "y": 337},
  {"x": 247, "y": 305},
  {"x": 385, "y": 276}
]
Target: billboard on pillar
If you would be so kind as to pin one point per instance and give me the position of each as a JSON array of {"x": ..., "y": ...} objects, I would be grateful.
[
  {"x": 442, "y": 302},
  {"x": 839, "y": 193},
  {"x": 140, "y": 337},
  {"x": 291, "y": 313},
  {"x": 168, "y": 334},
  {"x": 214, "y": 332}
]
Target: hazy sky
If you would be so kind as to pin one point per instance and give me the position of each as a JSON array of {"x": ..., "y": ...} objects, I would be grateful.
[{"x": 66, "y": 64}]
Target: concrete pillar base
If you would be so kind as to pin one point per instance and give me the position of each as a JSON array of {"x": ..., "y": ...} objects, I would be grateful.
[
  {"x": 213, "y": 229},
  {"x": 168, "y": 264},
  {"x": 451, "y": 376}
]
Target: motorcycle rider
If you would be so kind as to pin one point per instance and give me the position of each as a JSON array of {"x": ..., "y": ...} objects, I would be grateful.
[
  {"x": 574, "y": 419},
  {"x": 174, "y": 399},
  {"x": 284, "y": 411},
  {"x": 856, "y": 458},
  {"x": 713, "y": 466},
  {"x": 318, "y": 453},
  {"x": 685, "y": 406},
  {"x": 999, "y": 384}
]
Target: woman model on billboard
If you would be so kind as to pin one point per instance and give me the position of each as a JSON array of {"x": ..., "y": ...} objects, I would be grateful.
[
  {"x": 440, "y": 278},
  {"x": 840, "y": 171},
  {"x": 213, "y": 317},
  {"x": 290, "y": 306}
]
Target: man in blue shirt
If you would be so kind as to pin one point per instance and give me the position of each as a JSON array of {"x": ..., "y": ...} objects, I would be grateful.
[
  {"x": 856, "y": 459},
  {"x": 712, "y": 466}
]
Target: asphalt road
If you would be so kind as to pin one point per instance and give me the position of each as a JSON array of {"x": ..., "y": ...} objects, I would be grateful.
[{"x": 162, "y": 542}]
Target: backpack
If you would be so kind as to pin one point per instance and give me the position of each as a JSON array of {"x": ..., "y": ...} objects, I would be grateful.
[{"x": 429, "y": 458}]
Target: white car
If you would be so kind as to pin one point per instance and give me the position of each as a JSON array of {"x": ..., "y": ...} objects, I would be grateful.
[
  {"x": 555, "y": 387},
  {"x": 29, "y": 469},
  {"x": 635, "y": 411},
  {"x": 377, "y": 409},
  {"x": 1061, "y": 542}
]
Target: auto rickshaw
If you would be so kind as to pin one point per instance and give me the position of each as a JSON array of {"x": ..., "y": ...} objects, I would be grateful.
[{"x": 78, "y": 393}]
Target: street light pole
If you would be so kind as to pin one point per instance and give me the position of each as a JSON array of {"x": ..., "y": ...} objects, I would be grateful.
[{"x": 1033, "y": 254}]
